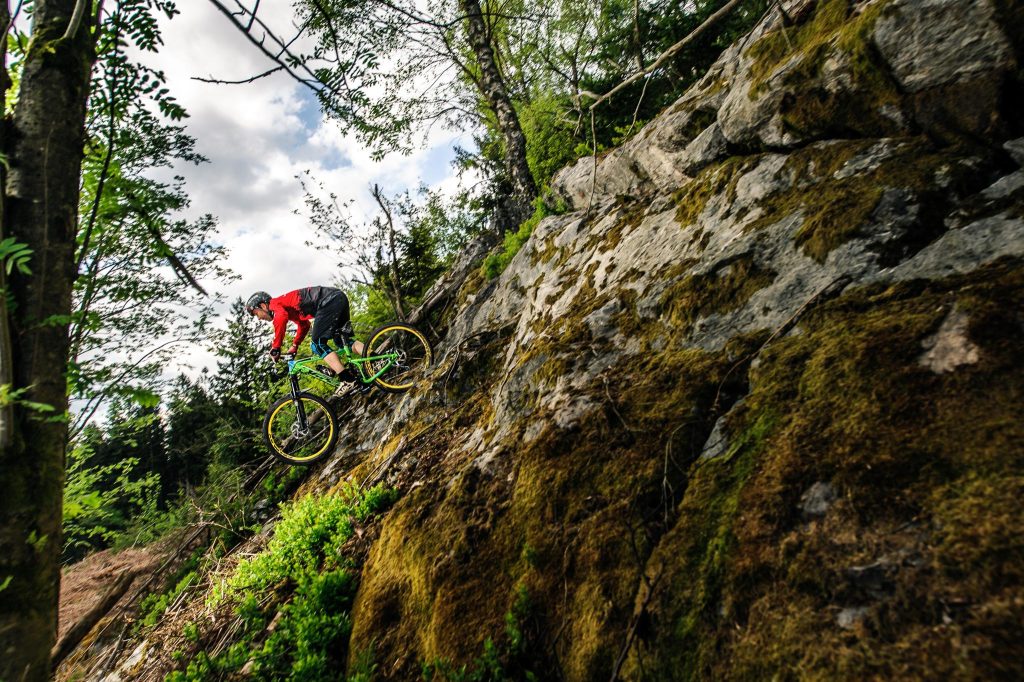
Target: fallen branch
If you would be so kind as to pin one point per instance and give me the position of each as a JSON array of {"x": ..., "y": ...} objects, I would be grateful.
[
  {"x": 79, "y": 630},
  {"x": 636, "y": 621}
]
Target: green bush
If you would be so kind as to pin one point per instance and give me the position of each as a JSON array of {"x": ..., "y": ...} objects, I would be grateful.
[
  {"x": 305, "y": 566},
  {"x": 370, "y": 308},
  {"x": 550, "y": 141},
  {"x": 99, "y": 501},
  {"x": 496, "y": 262}
]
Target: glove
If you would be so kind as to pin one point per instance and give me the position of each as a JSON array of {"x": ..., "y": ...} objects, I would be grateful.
[
  {"x": 293, "y": 350},
  {"x": 275, "y": 353}
]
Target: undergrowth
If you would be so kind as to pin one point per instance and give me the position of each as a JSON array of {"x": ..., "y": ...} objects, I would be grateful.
[
  {"x": 303, "y": 584},
  {"x": 154, "y": 605},
  {"x": 496, "y": 262}
]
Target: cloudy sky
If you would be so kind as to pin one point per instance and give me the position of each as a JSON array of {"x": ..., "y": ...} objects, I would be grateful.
[{"x": 258, "y": 138}]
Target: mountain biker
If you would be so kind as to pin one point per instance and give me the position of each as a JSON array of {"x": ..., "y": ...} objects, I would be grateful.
[{"x": 327, "y": 307}]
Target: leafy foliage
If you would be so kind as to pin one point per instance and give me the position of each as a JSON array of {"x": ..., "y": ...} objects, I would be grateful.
[
  {"x": 304, "y": 560},
  {"x": 15, "y": 256},
  {"x": 398, "y": 253},
  {"x": 101, "y": 495},
  {"x": 185, "y": 458},
  {"x": 139, "y": 263}
]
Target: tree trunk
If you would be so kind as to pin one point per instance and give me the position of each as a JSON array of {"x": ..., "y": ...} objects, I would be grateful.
[
  {"x": 6, "y": 359},
  {"x": 492, "y": 87},
  {"x": 396, "y": 287},
  {"x": 44, "y": 146}
]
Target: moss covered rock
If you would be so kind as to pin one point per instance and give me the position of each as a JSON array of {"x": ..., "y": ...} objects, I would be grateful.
[{"x": 751, "y": 411}]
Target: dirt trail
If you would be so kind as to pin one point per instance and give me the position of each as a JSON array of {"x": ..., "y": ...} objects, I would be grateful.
[{"x": 83, "y": 584}]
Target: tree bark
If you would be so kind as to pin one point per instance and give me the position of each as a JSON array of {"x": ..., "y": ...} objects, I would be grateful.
[
  {"x": 44, "y": 145},
  {"x": 6, "y": 359},
  {"x": 492, "y": 87},
  {"x": 393, "y": 262}
]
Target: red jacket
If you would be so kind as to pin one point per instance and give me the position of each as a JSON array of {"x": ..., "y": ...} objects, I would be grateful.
[{"x": 285, "y": 308}]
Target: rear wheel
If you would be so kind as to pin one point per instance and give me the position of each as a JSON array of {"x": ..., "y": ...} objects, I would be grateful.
[
  {"x": 301, "y": 429},
  {"x": 404, "y": 350}
]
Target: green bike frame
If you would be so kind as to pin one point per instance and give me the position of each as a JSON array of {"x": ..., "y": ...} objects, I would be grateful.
[{"x": 307, "y": 366}]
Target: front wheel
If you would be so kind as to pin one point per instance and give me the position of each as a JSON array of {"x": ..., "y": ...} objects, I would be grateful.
[
  {"x": 300, "y": 429},
  {"x": 403, "y": 350}
]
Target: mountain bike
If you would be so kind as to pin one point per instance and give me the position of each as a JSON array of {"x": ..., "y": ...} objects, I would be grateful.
[{"x": 301, "y": 427}]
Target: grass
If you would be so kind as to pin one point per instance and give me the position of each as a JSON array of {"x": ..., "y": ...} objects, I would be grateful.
[{"x": 307, "y": 582}]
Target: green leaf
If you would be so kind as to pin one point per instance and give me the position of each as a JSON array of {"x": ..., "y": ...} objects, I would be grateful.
[
  {"x": 145, "y": 398},
  {"x": 15, "y": 255},
  {"x": 36, "y": 541}
]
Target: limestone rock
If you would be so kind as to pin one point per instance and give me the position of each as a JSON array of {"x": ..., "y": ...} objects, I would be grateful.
[
  {"x": 817, "y": 500},
  {"x": 950, "y": 347},
  {"x": 706, "y": 148},
  {"x": 849, "y": 617},
  {"x": 951, "y": 58},
  {"x": 929, "y": 43},
  {"x": 1016, "y": 150}
]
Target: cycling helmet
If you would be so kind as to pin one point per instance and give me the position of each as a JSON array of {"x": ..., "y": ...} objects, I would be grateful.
[{"x": 256, "y": 300}]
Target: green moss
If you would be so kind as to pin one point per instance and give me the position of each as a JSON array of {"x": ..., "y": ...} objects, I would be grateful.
[
  {"x": 835, "y": 210},
  {"x": 928, "y": 478},
  {"x": 834, "y": 28},
  {"x": 725, "y": 289},
  {"x": 719, "y": 179},
  {"x": 585, "y": 516},
  {"x": 509, "y": 659},
  {"x": 624, "y": 218},
  {"x": 978, "y": 522}
]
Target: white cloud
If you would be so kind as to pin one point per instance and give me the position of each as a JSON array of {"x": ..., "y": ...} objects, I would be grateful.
[{"x": 258, "y": 138}]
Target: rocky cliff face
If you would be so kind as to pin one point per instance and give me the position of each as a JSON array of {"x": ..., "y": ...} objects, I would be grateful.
[{"x": 753, "y": 407}]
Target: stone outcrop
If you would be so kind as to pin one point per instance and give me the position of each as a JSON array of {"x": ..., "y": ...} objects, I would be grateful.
[
  {"x": 752, "y": 407},
  {"x": 734, "y": 368}
]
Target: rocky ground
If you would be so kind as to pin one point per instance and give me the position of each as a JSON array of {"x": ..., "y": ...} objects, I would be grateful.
[{"x": 752, "y": 407}]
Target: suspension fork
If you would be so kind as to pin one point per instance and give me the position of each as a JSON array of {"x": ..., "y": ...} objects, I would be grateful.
[{"x": 300, "y": 411}]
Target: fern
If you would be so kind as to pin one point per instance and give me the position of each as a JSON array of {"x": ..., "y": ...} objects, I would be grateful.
[{"x": 15, "y": 255}]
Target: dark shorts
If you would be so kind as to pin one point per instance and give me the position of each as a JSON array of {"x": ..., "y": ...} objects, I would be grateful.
[{"x": 331, "y": 316}]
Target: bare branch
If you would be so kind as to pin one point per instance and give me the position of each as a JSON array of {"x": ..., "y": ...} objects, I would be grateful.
[
  {"x": 238, "y": 82},
  {"x": 76, "y": 19},
  {"x": 667, "y": 54}
]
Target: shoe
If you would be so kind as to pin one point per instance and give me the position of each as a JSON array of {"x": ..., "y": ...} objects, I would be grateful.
[{"x": 324, "y": 369}]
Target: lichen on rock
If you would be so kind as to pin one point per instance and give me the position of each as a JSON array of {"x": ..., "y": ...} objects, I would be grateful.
[{"x": 753, "y": 407}]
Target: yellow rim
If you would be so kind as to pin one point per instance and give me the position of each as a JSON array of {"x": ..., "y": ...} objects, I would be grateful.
[
  {"x": 273, "y": 441},
  {"x": 426, "y": 346}
]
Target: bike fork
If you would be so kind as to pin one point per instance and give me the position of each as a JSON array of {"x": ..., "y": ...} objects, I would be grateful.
[{"x": 300, "y": 411}]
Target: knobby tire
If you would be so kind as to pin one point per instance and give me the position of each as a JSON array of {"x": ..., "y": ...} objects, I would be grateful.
[
  {"x": 417, "y": 355},
  {"x": 303, "y": 448}
]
